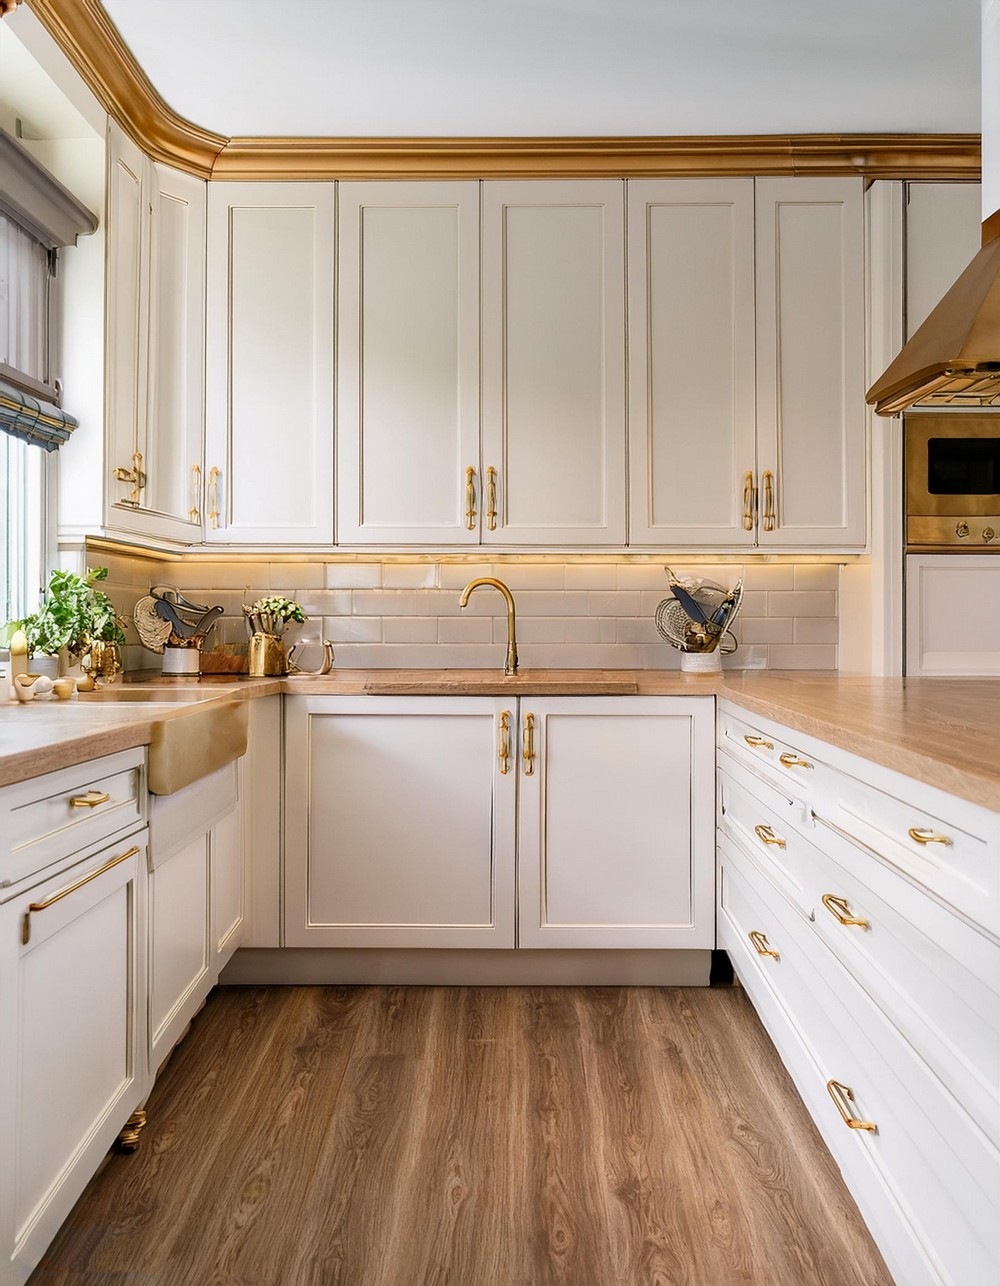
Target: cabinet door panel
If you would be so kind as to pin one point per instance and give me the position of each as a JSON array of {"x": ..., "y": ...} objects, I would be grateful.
[
  {"x": 408, "y": 344},
  {"x": 269, "y": 406},
  {"x": 553, "y": 361},
  {"x": 811, "y": 413},
  {"x": 228, "y": 886},
  {"x": 615, "y": 843},
  {"x": 399, "y": 826},
  {"x": 691, "y": 360},
  {"x": 179, "y": 955}
]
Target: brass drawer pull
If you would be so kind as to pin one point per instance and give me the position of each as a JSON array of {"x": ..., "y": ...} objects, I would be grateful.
[
  {"x": 70, "y": 888},
  {"x": 768, "y": 500},
  {"x": 491, "y": 499},
  {"x": 90, "y": 800},
  {"x": 470, "y": 498},
  {"x": 135, "y": 477},
  {"x": 759, "y": 743},
  {"x": 748, "y": 501},
  {"x": 923, "y": 835},
  {"x": 761, "y": 944},
  {"x": 194, "y": 513},
  {"x": 504, "y": 752},
  {"x": 214, "y": 475},
  {"x": 793, "y": 761},
  {"x": 528, "y": 752},
  {"x": 843, "y": 1097},
  {"x": 767, "y": 836},
  {"x": 841, "y": 912}
]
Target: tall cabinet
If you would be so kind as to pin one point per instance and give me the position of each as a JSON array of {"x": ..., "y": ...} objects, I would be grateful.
[
  {"x": 269, "y": 402},
  {"x": 746, "y": 343}
]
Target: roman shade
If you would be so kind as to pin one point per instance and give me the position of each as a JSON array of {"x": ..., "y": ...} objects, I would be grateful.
[{"x": 32, "y": 418}]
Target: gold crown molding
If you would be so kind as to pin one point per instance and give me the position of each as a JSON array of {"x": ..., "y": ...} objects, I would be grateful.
[
  {"x": 910, "y": 156},
  {"x": 90, "y": 40}
]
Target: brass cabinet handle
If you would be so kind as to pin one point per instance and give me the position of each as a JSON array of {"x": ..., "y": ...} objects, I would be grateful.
[
  {"x": 70, "y": 888},
  {"x": 470, "y": 498},
  {"x": 768, "y": 478},
  {"x": 528, "y": 751},
  {"x": 923, "y": 835},
  {"x": 759, "y": 743},
  {"x": 214, "y": 475},
  {"x": 135, "y": 476},
  {"x": 90, "y": 800},
  {"x": 761, "y": 944},
  {"x": 841, "y": 912},
  {"x": 491, "y": 498},
  {"x": 504, "y": 752},
  {"x": 843, "y": 1097},
  {"x": 747, "y": 494},
  {"x": 767, "y": 836},
  {"x": 194, "y": 513},
  {"x": 793, "y": 761}
]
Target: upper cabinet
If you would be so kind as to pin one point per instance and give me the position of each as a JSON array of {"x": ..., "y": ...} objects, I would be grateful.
[
  {"x": 155, "y": 345},
  {"x": 554, "y": 363},
  {"x": 746, "y": 351},
  {"x": 408, "y": 363},
  {"x": 269, "y": 395}
]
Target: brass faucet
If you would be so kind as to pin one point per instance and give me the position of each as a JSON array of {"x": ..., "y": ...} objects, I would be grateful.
[{"x": 510, "y": 666}]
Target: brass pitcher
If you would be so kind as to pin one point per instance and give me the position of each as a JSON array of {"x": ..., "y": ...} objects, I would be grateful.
[{"x": 266, "y": 656}]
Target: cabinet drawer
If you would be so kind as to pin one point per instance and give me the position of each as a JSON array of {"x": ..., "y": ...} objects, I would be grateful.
[
  {"x": 50, "y": 818},
  {"x": 762, "y": 821},
  {"x": 771, "y": 757},
  {"x": 926, "y": 1162}
]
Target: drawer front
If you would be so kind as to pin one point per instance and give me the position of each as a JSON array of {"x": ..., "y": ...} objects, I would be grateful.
[
  {"x": 50, "y": 818},
  {"x": 766, "y": 829},
  {"x": 926, "y": 1161},
  {"x": 935, "y": 976},
  {"x": 772, "y": 757},
  {"x": 175, "y": 820},
  {"x": 940, "y": 852}
]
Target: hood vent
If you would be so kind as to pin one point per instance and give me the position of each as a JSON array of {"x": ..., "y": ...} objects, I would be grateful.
[{"x": 954, "y": 358}]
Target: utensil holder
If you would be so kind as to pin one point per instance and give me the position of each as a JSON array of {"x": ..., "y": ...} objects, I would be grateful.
[{"x": 266, "y": 656}]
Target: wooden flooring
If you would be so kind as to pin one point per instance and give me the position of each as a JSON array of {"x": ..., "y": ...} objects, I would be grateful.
[{"x": 431, "y": 1136}]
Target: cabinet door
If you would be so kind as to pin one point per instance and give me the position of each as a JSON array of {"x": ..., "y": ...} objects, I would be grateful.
[
  {"x": 180, "y": 953},
  {"x": 691, "y": 362},
  {"x": 940, "y": 591},
  {"x": 943, "y": 235},
  {"x": 554, "y": 363},
  {"x": 72, "y": 1058},
  {"x": 408, "y": 363},
  {"x": 615, "y": 822},
  {"x": 269, "y": 393},
  {"x": 127, "y": 281},
  {"x": 811, "y": 416},
  {"x": 228, "y": 886},
  {"x": 399, "y": 822}
]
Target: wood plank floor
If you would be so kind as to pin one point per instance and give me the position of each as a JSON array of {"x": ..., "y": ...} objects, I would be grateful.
[{"x": 432, "y": 1136}]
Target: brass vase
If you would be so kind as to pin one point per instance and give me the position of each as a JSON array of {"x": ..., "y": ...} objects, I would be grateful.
[
  {"x": 103, "y": 663},
  {"x": 266, "y": 656}
]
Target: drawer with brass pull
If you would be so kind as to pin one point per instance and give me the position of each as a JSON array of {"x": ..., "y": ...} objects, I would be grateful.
[
  {"x": 897, "y": 1131},
  {"x": 47, "y": 820},
  {"x": 756, "y": 823},
  {"x": 770, "y": 756}
]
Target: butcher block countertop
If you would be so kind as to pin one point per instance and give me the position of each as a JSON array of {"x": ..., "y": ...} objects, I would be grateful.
[{"x": 945, "y": 732}]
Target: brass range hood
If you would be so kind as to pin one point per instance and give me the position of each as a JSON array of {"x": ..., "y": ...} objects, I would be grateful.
[{"x": 954, "y": 358}]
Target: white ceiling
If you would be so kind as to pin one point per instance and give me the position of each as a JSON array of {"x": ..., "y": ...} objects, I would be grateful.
[{"x": 585, "y": 67}]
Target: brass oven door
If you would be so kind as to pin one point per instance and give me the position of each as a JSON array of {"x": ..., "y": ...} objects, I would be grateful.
[{"x": 952, "y": 479}]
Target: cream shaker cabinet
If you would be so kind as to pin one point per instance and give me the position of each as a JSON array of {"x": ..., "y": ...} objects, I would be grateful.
[
  {"x": 154, "y": 395},
  {"x": 746, "y": 342},
  {"x": 269, "y": 346},
  {"x": 408, "y": 468},
  {"x": 423, "y": 821}
]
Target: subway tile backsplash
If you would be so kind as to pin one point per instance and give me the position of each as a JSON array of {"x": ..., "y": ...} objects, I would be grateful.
[{"x": 574, "y": 615}]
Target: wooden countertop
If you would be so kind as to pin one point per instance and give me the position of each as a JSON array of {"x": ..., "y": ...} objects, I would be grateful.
[{"x": 945, "y": 732}]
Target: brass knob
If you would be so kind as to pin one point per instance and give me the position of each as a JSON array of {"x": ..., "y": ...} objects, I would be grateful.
[
  {"x": 962, "y": 530},
  {"x": 989, "y": 534}
]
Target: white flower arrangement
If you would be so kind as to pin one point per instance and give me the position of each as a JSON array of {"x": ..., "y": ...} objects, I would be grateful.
[{"x": 270, "y": 615}]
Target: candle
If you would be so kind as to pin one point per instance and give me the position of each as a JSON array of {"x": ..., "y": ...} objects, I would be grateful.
[{"x": 18, "y": 654}]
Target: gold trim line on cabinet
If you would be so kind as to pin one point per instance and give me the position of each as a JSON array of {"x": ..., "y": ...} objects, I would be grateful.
[
  {"x": 843, "y": 1097},
  {"x": 35, "y": 907},
  {"x": 841, "y": 911}
]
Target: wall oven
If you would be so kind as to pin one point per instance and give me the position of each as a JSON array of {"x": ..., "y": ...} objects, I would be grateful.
[{"x": 952, "y": 461}]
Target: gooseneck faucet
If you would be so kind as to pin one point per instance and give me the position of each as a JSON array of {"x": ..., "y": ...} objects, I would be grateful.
[{"x": 510, "y": 666}]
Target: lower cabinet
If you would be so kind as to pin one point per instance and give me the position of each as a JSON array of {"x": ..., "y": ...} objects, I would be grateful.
[
  {"x": 72, "y": 977},
  {"x": 491, "y": 822},
  {"x": 859, "y": 909}
]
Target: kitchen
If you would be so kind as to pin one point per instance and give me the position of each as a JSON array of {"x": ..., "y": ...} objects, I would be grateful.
[{"x": 222, "y": 477}]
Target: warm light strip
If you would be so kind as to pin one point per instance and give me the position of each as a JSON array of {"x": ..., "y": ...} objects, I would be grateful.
[{"x": 86, "y": 34}]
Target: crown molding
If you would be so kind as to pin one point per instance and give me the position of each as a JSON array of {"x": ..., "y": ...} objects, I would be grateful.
[{"x": 87, "y": 36}]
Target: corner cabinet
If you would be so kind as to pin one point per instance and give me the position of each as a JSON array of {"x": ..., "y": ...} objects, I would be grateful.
[
  {"x": 269, "y": 393},
  {"x": 155, "y": 350},
  {"x": 747, "y": 363},
  {"x": 424, "y": 822}
]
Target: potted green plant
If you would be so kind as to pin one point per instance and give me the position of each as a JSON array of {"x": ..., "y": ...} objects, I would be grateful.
[{"x": 74, "y": 616}]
